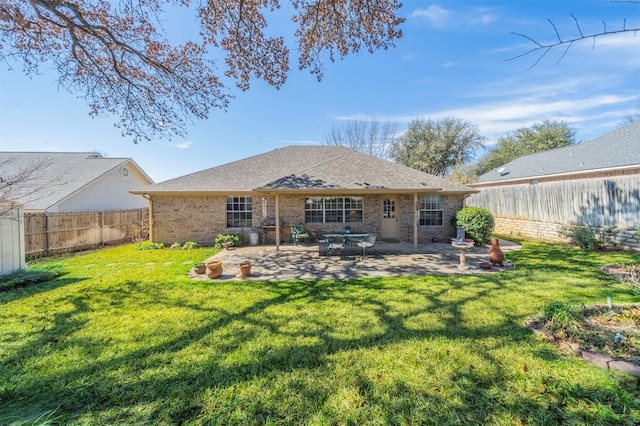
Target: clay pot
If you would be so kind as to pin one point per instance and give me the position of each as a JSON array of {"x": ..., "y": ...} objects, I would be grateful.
[
  {"x": 214, "y": 269},
  {"x": 245, "y": 269},
  {"x": 496, "y": 256},
  {"x": 199, "y": 268}
]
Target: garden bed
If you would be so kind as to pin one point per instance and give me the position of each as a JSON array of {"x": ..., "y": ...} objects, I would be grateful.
[{"x": 611, "y": 330}]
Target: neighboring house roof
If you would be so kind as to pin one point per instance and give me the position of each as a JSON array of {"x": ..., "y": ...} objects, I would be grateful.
[
  {"x": 56, "y": 175},
  {"x": 308, "y": 168},
  {"x": 617, "y": 149}
]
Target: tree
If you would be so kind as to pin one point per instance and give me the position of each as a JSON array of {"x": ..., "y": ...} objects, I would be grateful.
[
  {"x": 117, "y": 57},
  {"x": 23, "y": 184},
  {"x": 542, "y": 136},
  {"x": 371, "y": 136},
  {"x": 464, "y": 174},
  {"x": 543, "y": 48},
  {"x": 436, "y": 146}
]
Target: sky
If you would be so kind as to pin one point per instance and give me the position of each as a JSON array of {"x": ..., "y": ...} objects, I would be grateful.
[{"x": 453, "y": 60}]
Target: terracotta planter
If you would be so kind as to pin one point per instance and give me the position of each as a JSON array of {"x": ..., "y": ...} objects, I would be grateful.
[
  {"x": 245, "y": 269},
  {"x": 496, "y": 256},
  {"x": 214, "y": 269},
  {"x": 199, "y": 268}
]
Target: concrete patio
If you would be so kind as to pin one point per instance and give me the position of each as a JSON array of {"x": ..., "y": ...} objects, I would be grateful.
[{"x": 303, "y": 262}]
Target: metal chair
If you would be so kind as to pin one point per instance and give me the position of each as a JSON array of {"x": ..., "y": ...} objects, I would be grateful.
[
  {"x": 337, "y": 244},
  {"x": 367, "y": 243},
  {"x": 298, "y": 233}
]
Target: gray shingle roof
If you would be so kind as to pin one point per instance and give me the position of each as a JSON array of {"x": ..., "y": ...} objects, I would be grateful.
[
  {"x": 619, "y": 148},
  {"x": 60, "y": 174},
  {"x": 308, "y": 168}
]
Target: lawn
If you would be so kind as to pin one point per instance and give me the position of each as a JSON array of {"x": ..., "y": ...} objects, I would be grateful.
[{"x": 123, "y": 337}]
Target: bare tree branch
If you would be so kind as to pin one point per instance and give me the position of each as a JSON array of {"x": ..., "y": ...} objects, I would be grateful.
[
  {"x": 116, "y": 55},
  {"x": 544, "y": 48},
  {"x": 369, "y": 136},
  {"x": 24, "y": 184}
]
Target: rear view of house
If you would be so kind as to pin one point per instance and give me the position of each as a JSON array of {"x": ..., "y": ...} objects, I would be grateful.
[{"x": 325, "y": 187}]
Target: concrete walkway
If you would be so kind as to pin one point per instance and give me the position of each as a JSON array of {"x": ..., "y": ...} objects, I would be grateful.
[{"x": 303, "y": 262}]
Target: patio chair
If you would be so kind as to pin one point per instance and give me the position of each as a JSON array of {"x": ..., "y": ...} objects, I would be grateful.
[
  {"x": 337, "y": 244},
  {"x": 367, "y": 243},
  {"x": 298, "y": 233}
]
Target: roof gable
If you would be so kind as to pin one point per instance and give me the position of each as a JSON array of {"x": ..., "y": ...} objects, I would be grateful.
[
  {"x": 309, "y": 168},
  {"x": 617, "y": 149},
  {"x": 56, "y": 175}
]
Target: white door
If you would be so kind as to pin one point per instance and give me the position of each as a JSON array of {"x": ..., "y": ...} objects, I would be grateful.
[{"x": 389, "y": 219}]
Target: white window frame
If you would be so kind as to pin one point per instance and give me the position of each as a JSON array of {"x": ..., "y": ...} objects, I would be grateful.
[
  {"x": 428, "y": 204},
  {"x": 347, "y": 209},
  {"x": 240, "y": 206}
]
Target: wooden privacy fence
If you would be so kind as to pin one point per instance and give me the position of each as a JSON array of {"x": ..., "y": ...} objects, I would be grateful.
[
  {"x": 52, "y": 233},
  {"x": 613, "y": 202}
]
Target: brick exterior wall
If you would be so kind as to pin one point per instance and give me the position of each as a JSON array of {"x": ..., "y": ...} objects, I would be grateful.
[
  {"x": 452, "y": 203},
  {"x": 202, "y": 218}
]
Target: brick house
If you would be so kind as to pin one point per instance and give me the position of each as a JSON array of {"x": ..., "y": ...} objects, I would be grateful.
[
  {"x": 324, "y": 187},
  {"x": 594, "y": 183}
]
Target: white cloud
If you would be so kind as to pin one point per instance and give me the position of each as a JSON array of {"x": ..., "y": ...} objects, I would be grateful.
[
  {"x": 441, "y": 18},
  {"x": 180, "y": 145},
  {"x": 434, "y": 14}
]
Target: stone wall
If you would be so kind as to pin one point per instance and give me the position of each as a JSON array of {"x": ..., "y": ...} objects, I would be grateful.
[{"x": 551, "y": 232}]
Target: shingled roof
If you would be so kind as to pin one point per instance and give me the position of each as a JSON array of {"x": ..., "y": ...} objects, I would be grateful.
[
  {"x": 55, "y": 175},
  {"x": 617, "y": 149},
  {"x": 308, "y": 168}
]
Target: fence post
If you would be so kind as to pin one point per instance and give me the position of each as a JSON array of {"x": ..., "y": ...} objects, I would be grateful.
[
  {"x": 101, "y": 228},
  {"x": 46, "y": 233}
]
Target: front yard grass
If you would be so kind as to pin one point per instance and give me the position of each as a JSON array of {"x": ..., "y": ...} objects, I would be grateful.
[{"x": 123, "y": 337}]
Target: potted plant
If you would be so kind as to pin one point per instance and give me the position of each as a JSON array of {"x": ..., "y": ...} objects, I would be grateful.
[
  {"x": 227, "y": 240},
  {"x": 245, "y": 268}
]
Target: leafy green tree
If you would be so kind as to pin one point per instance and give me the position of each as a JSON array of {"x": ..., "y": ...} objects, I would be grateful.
[
  {"x": 548, "y": 134},
  {"x": 436, "y": 146}
]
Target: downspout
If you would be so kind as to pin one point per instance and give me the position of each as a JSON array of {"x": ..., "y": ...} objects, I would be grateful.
[
  {"x": 277, "y": 223},
  {"x": 415, "y": 220},
  {"x": 148, "y": 198}
]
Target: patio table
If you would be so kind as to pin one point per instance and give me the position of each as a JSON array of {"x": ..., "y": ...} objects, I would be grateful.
[{"x": 347, "y": 236}]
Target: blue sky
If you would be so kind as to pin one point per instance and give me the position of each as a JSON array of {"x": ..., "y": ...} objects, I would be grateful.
[{"x": 450, "y": 62}]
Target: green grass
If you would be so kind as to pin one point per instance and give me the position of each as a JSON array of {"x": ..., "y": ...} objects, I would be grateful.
[{"x": 123, "y": 337}]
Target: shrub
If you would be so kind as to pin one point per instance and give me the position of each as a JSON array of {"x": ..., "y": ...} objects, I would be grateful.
[
  {"x": 477, "y": 222},
  {"x": 190, "y": 245},
  {"x": 585, "y": 237},
  {"x": 148, "y": 245},
  {"x": 227, "y": 238},
  {"x": 176, "y": 246}
]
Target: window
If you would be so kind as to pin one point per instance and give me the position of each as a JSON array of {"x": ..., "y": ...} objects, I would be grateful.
[
  {"x": 431, "y": 209},
  {"x": 239, "y": 212},
  {"x": 333, "y": 210}
]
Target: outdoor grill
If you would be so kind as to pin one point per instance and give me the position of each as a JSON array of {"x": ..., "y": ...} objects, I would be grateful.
[{"x": 268, "y": 225}]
